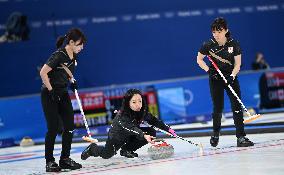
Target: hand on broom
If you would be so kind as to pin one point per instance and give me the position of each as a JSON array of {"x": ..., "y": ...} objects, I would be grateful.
[
  {"x": 149, "y": 138},
  {"x": 172, "y": 132},
  {"x": 230, "y": 79}
]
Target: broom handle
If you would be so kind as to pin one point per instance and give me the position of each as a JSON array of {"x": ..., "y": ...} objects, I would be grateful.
[
  {"x": 230, "y": 87},
  {"x": 82, "y": 112}
]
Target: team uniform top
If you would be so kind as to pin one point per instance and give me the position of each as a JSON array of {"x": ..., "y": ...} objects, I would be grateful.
[
  {"x": 223, "y": 56},
  {"x": 58, "y": 77},
  {"x": 127, "y": 125}
]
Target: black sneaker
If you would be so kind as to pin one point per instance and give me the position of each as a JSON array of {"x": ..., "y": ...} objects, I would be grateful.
[
  {"x": 244, "y": 142},
  {"x": 134, "y": 153},
  {"x": 68, "y": 163},
  {"x": 92, "y": 150},
  {"x": 52, "y": 166},
  {"x": 127, "y": 154},
  {"x": 86, "y": 153},
  {"x": 214, "y": 140}
]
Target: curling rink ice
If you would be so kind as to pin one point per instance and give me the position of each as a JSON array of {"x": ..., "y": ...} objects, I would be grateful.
[{"x": 266, "y": 157}]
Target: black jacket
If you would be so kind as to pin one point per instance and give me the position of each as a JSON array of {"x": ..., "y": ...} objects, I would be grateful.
[{"x": 126, "y": 125}]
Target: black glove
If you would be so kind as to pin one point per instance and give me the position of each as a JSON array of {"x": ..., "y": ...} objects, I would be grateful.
[
  {"x": 53, "y": 95},
  {"x": 230, "y": 79},
  {"x": 74, "y": 86}
]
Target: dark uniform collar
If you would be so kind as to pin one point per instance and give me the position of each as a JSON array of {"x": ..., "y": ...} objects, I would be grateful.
[
  {"x": 228, "y": 40},
  {"x": 65, "y": 52}
]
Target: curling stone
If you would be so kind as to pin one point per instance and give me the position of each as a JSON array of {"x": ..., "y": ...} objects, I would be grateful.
[
  {"x": 27, "y": 141},
  {"x": 160, "y": 150}
]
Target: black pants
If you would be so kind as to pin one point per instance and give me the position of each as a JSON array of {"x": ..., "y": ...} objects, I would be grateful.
[
  {"x": 127, "y": 143},
  {"x": 217, "y": 94},
  {"x": 56, "y": 111}
]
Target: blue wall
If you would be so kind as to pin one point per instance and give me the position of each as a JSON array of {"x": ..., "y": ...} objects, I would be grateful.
[
  {"x": 20, "y": 117},
  {"x": 121, "y": 39},
  {"x": 180, "y": 101}
]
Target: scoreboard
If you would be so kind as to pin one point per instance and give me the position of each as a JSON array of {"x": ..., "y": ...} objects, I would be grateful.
[
  {"x": 271, "y": 86},
  {"x": 99, "y": 106}
]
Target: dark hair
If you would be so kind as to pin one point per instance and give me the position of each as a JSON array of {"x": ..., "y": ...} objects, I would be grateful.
[
  {"x": 125, "y": 108},
  {"x": 258, "y": 54},
  {"x": 74, "y": 34},
  {"x": 219, "y": 24}
]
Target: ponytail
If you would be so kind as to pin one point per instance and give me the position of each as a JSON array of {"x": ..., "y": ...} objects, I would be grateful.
[
  {"x": 74, "y": 34},
  {"x": 60, "y": 41}
]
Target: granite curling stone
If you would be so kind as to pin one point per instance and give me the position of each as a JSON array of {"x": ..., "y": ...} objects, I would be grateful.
[{"x": 160, "y": 150}]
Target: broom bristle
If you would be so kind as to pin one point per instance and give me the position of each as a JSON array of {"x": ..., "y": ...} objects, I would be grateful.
[
  {"x": 90, "y": 139},
  {"x": 252, "y": 118},
  {"x": 201, "y": 151}
]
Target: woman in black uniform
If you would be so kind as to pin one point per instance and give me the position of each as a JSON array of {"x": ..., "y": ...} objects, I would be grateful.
[
  {"x": 226, "y": 53},
  {"x": 56, "y": 101},
  {"x": 125, "y": 131}
]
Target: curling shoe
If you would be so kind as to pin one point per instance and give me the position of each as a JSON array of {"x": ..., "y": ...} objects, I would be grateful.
[
  {"x": 86, "y": 153},
  {"x": 214, "y": 140},
  {"x": 92, "y": 150},
  {"x": 244, "y": 142},
  {"x": 52, "y": 166},
  {"x": 134, "y": 153},
  {"x": 68, "y": 163},
  {"x": 128, "y": 154}
]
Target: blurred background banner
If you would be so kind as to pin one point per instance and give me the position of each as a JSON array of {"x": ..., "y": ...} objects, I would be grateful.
[
  {"x": 163, "y": 36},
  {"x": 160, "y": 37},
  {"x": 176, "y": 101}
]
